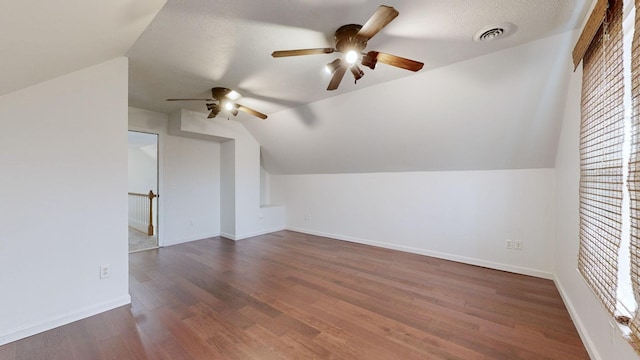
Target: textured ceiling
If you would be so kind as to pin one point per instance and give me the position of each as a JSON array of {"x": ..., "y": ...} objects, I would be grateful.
[{"x": 194, "y": 45}]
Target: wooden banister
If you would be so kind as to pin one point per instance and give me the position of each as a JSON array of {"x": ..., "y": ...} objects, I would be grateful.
[{"x": 150, "y": 196}]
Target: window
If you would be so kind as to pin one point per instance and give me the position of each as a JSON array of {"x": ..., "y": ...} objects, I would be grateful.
[
  {"x": 634, "y": 178},
  {"x": 609, "y": 255},
  {"x": 601, "y": 169}
]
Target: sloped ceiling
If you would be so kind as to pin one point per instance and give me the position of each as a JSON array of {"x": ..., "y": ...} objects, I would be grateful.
[
  {"x": 492, "y": 105},
  {"x": 40, "y": 40},
  {"x": 498, "y": 111},
  {"x": 194, "y": 45},
  {"x": 474, "y": 105}
]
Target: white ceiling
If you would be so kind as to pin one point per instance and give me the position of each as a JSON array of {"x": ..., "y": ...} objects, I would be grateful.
[
  {"x": 502, "y": 110},
  {"x": 40, "y": 40},
  {"x": 473, "y": 106},
  {"x": 194, "y": 45}
]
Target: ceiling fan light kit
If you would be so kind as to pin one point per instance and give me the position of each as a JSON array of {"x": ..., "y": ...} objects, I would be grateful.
[
  {"x": 357, "y": 72},
  {"x": 351, "y": 57},
  {"x": 351, "y": 40},
  {"x": 332, "y": 66},
  {"x": 224, "y": 98}
]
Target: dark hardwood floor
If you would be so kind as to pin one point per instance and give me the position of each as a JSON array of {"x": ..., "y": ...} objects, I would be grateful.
[{"x": 294, "y": 296}]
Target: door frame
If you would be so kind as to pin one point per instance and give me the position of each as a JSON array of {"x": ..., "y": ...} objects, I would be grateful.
[{"x": 159, "y": 176}]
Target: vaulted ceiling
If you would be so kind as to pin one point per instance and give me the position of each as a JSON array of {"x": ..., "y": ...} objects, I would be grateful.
[
  {"x": 489, "y": 105},
  {"x": 40, "y": 40}
]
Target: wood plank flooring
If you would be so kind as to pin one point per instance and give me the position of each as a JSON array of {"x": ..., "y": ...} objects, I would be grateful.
[{"x": 288, "y": 295}]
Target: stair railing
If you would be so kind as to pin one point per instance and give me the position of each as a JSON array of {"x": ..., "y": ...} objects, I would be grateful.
[{"x": 141, "y": 211}]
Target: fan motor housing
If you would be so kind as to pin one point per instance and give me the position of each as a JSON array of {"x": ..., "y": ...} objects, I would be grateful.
[
  {"x": 219, "y": 92},
  {"x": 347, "y": 39}
]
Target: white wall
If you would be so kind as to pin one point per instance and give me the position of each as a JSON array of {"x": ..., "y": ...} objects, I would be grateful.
[
  {"x": 209, "y": 178},
  {"x": 589, "y": 315},
  {"x": 142, "y": 170},
  {"x": 248, "y": 221},
  {"x": 63, "y": 207},
  {"x": 506, "y": 106},
  {"x": 189, "y": 181},
  {"x": 465, "y": 216},
  {"x": 241, "y": 175},
  {"x": 265, "y": 187},
  {"x": 228, "y": 188}
]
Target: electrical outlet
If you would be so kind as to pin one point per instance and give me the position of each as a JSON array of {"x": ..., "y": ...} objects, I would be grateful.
[
  {"x": 509, "y": 244},
  {"x": 517, "y": 244},
  {"x": 105, "y": 271}
]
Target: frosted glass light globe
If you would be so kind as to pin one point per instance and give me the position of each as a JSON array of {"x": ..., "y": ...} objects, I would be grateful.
[{"x": 351, "y": 56}]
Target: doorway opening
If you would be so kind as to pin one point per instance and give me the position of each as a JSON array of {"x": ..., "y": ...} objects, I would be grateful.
[{"x": 143, "y": 191}]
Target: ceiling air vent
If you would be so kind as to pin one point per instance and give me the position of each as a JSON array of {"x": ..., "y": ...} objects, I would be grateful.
[{"x": 493, "y": 32}]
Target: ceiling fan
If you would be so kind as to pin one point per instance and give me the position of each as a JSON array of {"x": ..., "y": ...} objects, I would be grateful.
[
  {"x": 223, "y": 98},
  {"x": 351, "y": 40}
]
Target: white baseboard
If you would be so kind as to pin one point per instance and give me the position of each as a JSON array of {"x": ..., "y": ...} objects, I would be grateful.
[
  {"x": 224, "y": 235},
  {"x": 228, "y": 236},
  {"x": 189, "y": 239},
  {"x": 586, "y": 339},
  {"x": 257, "y": 233},
  {"x": 62, "y": 319},
  {"x": 436, "y": 254}
]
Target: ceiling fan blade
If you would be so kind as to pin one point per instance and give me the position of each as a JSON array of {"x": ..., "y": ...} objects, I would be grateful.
[
  {"x": 251, "y": 111},
  {"x": 283, "y": 53},
  {"x": 215, "y": 110},
  {"x": 337, "y": 77},
  {"x": 394, "y": 60},
  {"x": 190, "y": 100},
  {"x": 383, "y": 16}
]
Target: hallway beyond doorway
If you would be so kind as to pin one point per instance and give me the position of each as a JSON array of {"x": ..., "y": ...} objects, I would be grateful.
[{"x": 139, "y": 241}]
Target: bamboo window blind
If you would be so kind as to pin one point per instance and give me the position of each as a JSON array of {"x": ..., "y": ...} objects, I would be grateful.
[
  {"x": 601, "y": 140},
  {"x": 589, "y": 31},
  {"x": 634, "y": 177}
]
